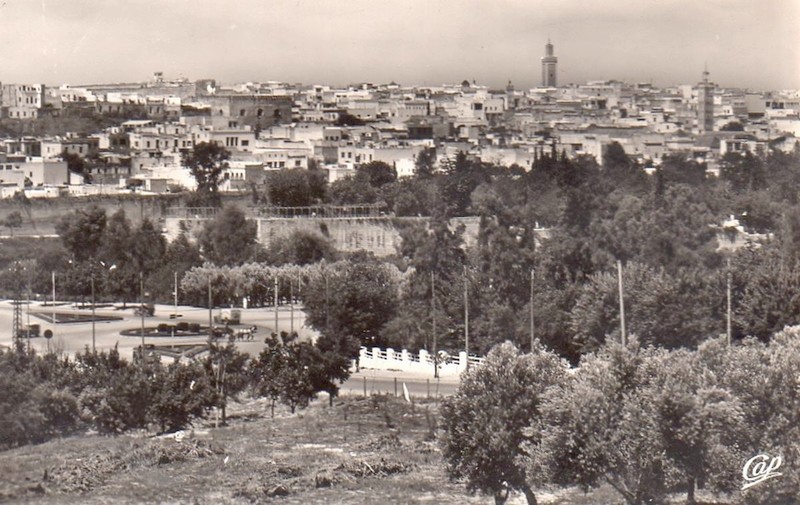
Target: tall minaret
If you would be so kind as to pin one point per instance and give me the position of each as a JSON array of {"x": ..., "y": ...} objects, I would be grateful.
[
  {"x": 549, "y": 63},
  {"x": 705, "y": 104}
]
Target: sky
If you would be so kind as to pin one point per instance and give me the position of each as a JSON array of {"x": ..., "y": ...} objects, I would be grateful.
[{"x": 745, "y": 43}]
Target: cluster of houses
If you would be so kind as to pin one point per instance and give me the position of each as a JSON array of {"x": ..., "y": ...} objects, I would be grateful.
[{"x": 274, "y": 126}]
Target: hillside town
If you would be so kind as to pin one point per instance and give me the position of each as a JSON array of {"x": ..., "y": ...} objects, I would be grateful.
[
  {"x": 269, "y": 126},
  {"x": 452, "y": 252}
]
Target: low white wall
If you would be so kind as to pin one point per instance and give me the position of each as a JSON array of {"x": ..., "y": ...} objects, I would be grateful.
[{"x": 379, "y": 359}]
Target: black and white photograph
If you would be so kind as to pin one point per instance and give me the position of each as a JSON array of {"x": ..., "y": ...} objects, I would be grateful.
[{"x": 456, "y": 252}]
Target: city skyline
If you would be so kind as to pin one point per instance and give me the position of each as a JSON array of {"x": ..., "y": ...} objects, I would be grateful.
[{"x": 664, "y": 42}]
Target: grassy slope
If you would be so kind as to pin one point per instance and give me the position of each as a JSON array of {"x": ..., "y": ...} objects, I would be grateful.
[{"x": 375, "y": 450}]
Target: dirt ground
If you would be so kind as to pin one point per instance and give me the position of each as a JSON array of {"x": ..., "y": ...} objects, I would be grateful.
[
  {"x": 374, "y": 450},
  {"x": 378, "y": 449}
]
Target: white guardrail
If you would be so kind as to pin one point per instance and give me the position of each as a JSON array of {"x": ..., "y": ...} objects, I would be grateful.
[{"x": 422, "y": 362}]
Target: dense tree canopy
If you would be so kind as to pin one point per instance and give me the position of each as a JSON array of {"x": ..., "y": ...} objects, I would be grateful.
[
  {"x": 485, "y": 422},
  {"x": 378, "y": 173},
  {"x": 82, "y": 232},
  {"x": 230, "y": 238},
  {"x": 206, "y": 161}
]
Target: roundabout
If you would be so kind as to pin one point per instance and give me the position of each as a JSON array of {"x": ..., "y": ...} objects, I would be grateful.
[
  {"x": 156, "y": 332},
  {"x": 121, "y": 328}
]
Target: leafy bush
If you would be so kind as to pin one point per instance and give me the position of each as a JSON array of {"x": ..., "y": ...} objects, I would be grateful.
[
  {"x": 485, "y": 422},
  {"x": 184, "y": 393}
]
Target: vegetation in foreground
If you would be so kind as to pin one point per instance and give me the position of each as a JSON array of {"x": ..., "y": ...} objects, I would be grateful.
[
  {"x": 649, "y": 422},
  {"x": 379, "y": 449}
]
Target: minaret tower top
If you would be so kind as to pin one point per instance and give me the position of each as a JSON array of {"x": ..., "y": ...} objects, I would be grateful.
[{"x": 549, "y": 66}]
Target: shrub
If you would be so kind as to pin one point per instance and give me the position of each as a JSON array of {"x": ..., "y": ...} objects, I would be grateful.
[
  {"x": 595, "y": 429},
  {"x": 184, "y": 393},
  {"x": 485, "y": 422}
]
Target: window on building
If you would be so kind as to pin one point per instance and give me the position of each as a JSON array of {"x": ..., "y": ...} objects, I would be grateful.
[{"x": 242, "y": 113}]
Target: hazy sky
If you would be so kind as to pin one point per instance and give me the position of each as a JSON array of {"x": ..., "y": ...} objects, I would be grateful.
[{"x": 747, "y": 43}]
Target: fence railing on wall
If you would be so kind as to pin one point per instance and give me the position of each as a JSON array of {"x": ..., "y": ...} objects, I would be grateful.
[{"x": 421, "y": 362}]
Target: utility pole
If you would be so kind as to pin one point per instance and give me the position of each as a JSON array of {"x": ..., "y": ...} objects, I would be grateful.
[
  {"x": 28, "y": 311},
  {"x": 16, "y": 324},
  {"x": 53, "y": 312},
  {"x": 276, "y": 303},
  {"x": 623, "y": 335},
  {"x": 93, "y": 312},
  {"x": 533, "y": 327},
  {"x": 729, "y": 276},
  {"x": 327, "y": 307},
  {"x": 210, "y": 308},
  {"x": 291, "y": 305},
  {"x": 142, "y": 308},
  {"x": 175, "y": 293},
  {"x": 466, "y": 316},
  {"x": 433, "y": 316}
]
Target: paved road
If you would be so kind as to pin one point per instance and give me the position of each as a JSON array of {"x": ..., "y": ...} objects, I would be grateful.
[
  {"x": 74, "y": 337},
  {"x": 384, "y": 382}
]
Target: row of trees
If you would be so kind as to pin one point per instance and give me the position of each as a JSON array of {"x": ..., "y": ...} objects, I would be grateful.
[
  {"x": 115, "y": 252},
  {"x": 664, "y": 228},
  {"x": 48, "y": 396},
  {"x": 647, "y": 421}
]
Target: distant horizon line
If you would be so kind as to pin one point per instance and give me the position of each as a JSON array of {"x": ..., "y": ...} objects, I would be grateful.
[{"x": 376, "y": 83}]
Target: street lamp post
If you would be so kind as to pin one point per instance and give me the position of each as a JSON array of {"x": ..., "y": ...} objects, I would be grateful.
[
  {"x": 53, "y": 311},
  {"x": 91, "y": 280}
]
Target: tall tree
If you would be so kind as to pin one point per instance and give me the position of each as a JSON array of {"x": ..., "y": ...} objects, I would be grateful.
[
  {"x": 425, "y": 162},
  {"x": 597, "y": 429},
  {"x": 302, "y": 247},
  {"x": 117, "y": 252},
  {"x": 744, "y": 172},
  {"x": 289, "y": 188},
  {"x": 230, "y": 239},
  {"x": 206, "y": 161},
  {"x": 352, "y": 298},
  {"x": 83, "y": 232},
  {"x": 487, "y": 420},
  {"x": 12, "y": 220},
  {"x": 378, "y": 173},
  {"x": 147, "y": 247},
  {"x": 352, "y": 191},
  {"x": 461, "y": 177}
]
